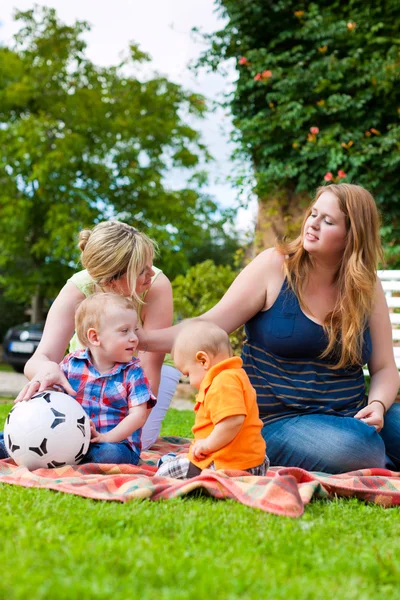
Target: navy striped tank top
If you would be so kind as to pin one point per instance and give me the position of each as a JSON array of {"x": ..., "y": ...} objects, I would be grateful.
[{"x": 281, "y": 358}]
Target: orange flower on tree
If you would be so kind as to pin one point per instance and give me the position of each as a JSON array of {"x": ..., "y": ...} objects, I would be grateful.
[
  {"x": 299, "y": 13},
  {"x": 322, "y": 49},
  {"x": 341, "y": 174},
  {"x": 243, "y": 61},
  {"x": 314, "y": 130},
  {"x": 328, "y": 176},
  {"x": 264, "y": 76},
  {"x": 351, "y": 25}
]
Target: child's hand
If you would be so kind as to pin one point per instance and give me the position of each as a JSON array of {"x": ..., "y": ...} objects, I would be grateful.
[
  {"x": 200, "y": 449},
  {"x": 95, "y": 436}
]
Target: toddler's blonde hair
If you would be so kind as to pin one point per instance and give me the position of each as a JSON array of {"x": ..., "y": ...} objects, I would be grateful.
[{"x": 93, "y": 309}]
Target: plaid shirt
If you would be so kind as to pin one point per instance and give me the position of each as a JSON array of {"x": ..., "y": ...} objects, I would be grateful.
[{"x": 107, "y": 397}]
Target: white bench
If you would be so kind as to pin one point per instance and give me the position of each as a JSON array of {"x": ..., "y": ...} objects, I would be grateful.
[{"x": 391, "y": 286}]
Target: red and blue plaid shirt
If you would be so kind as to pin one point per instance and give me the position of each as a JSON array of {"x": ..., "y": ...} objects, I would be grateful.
[{"x": 107, "y": 397}]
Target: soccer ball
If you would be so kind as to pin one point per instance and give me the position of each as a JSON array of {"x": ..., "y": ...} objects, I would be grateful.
[{"x": 49, "y": 430}]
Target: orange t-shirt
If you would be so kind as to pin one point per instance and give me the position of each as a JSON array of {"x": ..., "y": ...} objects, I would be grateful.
[{"x": 226, "y": 392}]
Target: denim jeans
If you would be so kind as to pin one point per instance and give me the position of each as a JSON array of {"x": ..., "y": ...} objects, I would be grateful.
[
  {"x": 107, "y": 453},
  {"x": 116, "y": 453},
  {"x": 3, "y": 449},
  {"x": 334, "y": 444}
]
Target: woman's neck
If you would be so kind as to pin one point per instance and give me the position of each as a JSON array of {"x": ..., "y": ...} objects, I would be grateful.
[{"x": 324, "y": 273}]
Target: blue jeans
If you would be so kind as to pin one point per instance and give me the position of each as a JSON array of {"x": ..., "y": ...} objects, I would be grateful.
[
  {"x": 334, "y": 444},
  {"x": 3, "y": 449},
  {"x": 117, "y": 453}
]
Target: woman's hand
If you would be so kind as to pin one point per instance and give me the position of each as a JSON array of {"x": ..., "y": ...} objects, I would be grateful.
[
  {"x": 372, "y": 414},
  {"x": 47, "y": 377}
]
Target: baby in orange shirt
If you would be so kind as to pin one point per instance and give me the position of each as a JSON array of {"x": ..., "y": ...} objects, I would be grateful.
[{"x": 227, "y": 429}]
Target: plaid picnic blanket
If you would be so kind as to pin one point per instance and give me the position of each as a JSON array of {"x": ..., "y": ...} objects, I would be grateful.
[{"x": 283, "y": 491}]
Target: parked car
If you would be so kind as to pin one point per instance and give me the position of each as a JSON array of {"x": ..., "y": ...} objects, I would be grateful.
[{"x": 20, "y": 342}]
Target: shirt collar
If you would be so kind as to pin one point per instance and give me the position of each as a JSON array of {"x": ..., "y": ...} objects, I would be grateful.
[
  {"x": 85, "y": 355},
  {"x": 235, "y": 362}
]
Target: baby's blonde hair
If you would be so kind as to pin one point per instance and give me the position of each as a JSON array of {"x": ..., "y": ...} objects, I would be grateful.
[
  {"x": 93, "y": 309},
  {"x": 201, "y": 335},
  {"x": 113, "y": 248}
]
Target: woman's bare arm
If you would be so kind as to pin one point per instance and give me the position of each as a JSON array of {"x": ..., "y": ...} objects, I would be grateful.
[
  {"x": 43, "y": 367},
  {"x": 157, "y": 314},
  {"x": 385, "y": 379},
  {"x": 245, "y": 298}
]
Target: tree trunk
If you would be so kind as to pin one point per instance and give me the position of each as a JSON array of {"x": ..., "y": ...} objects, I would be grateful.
[
  {"x": 37, "y": 307},
  {"x": 280, "y": 215}
]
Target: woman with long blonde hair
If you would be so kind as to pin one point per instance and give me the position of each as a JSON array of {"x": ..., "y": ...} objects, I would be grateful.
[{"x": 315, "y": 313}]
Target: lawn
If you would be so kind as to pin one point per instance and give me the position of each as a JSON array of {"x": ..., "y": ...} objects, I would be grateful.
[{"x": 60, "y": 546}]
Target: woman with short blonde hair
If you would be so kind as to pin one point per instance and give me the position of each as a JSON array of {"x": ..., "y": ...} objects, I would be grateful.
[{"x": 117, "y": 258}]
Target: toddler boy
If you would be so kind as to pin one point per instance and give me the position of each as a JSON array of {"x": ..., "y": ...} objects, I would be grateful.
[
  {"x": 227, "y": 429},
  {"x": 109, "y": 381}
]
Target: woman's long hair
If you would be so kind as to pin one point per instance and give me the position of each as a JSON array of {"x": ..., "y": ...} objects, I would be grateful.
[{"x": 355, "y": 278}]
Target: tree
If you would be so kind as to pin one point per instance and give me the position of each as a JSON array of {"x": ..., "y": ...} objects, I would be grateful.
[
  {"x": 317, "y": 98},
  {"x": 81, "y": 143}
]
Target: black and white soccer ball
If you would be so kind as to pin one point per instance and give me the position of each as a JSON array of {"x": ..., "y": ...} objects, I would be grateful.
[{"x": 49, "y": 430}]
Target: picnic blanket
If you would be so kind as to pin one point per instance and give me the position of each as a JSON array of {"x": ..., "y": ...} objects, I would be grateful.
[{"x": 283, "y": 491}]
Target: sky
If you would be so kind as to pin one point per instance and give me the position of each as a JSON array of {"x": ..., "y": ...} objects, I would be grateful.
[{"x": 162, "y": 28}]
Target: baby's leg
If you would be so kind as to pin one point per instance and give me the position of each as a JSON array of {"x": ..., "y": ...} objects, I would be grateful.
[
  {"x": 261, "y": 470},
  {"x": 111, "y": 454},
  {"x": 179, "y": 467}
]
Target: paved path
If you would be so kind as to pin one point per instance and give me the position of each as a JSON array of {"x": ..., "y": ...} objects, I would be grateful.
[{"x": 11, "y": 383}]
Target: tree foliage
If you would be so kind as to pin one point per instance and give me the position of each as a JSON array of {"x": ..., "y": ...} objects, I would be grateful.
[
  {"x": 317, "y": 96},
  {"x": 80, "y": 143}
]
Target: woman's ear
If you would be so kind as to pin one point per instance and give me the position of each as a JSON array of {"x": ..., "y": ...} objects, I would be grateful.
[
  {"x": 203, "y": 358},
  {"x": 93, "y": 337}
]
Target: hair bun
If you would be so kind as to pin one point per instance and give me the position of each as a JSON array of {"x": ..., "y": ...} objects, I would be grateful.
[{"x": 84, "y": 236}]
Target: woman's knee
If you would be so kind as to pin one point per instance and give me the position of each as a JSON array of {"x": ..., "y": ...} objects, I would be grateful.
[
  {"x": 391, "y": 435},
  {"x": 358, "y": 447},
  {"x": 325, "y": 443}
]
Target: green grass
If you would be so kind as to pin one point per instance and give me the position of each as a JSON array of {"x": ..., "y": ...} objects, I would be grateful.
[{"x": 60, "y": 546}]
